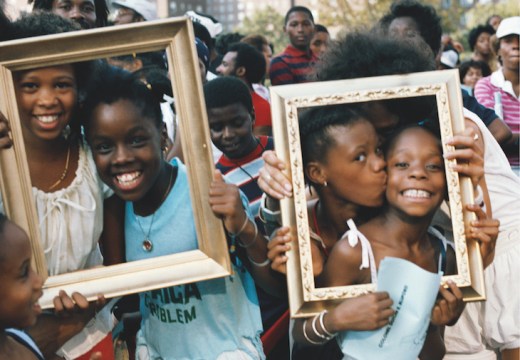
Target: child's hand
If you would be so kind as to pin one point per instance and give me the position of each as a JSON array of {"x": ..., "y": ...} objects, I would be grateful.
[
  {"x": 271, "y": 179},
  {"x": 277, "y": 247},
  {"x": 67, "y": 306},
  {"x": 469, "y": 155},
  {"x": 5, "y": 140},
  {"x": 485, "y": 231},
  {"x": 447, "y": 310},
  {"x": 225, "y": 202},
  {"x": 365, "y": 312}
]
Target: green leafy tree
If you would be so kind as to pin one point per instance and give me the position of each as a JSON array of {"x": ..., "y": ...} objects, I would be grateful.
[
  {"x": 351, "y": 14},
  {"x": 481, "y": 11},
  {"x": 268, "y": 22}
]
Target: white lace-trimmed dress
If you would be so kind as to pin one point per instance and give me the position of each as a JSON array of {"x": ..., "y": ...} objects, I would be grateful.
[{"x": 71, "y": 219}]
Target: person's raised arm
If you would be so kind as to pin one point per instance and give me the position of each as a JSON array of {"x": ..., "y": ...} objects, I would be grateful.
[
  {"x": 226, "y": 203},
  {"x": 365, "y": 312}
]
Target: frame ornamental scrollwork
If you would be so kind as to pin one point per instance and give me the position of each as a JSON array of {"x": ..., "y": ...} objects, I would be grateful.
[{"x": 305, "y": 298}]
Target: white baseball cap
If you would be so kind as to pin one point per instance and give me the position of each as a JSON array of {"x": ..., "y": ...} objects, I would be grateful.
[
  {"x": 509, "y": 26},
  {"x": 146, "y": 9},
  {"x": 213, "y": 27}
]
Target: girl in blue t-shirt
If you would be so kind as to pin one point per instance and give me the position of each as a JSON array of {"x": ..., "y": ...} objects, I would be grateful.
[{"x": 209, "y": 319}]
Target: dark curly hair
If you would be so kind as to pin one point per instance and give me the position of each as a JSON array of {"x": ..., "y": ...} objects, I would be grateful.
[
  {"x": 425, "y": 16},
  {"x": 224, "y": 41},
  {"x": 251, "y": 59},
  {"x": 39, "y": 23},
  {"x": 368, "y": 54},
  {"x": 227, "y": 90},
  {"x": 101, "y": 7},
  {"x": 320, "y": 28},
  {"x": 475, "y": 33},
  {"x": 466, "y": 65},
  {"x": 258, "y": 41},
  {"x": 298, "y": 8},
  {"x": 110, "y": 84},
  {"x": 318, "y": 126}
]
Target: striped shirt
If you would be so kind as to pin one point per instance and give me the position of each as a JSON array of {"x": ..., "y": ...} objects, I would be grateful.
[
  {"x": 291, "y": 67},
  {"x": 492, "y": 88},
  {"x": 243, "y": 173}
]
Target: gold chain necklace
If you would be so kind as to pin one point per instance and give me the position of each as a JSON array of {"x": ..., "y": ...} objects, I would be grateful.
[
  {"x": 147, "y": 242},
  {"x": 64, "y": 174}
]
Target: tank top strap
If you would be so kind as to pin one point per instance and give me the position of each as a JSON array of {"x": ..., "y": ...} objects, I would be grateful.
[
  {"x": 443, "y": 247},
  {"x": 354, "y": 236}
]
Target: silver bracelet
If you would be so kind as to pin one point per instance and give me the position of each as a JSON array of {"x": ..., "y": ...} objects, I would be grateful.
[
  {"x": 245, "y": 246},
  {"x": 257, "y": 264},
  {"x": 307, "y": 337},
  {"x": 315, "y": 330},
  {"x": 322, "y": 324},
  {"x": 242, "y": 228}
]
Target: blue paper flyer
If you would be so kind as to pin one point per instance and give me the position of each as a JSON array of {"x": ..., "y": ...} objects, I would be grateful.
[{"x": 413, "y": 291}]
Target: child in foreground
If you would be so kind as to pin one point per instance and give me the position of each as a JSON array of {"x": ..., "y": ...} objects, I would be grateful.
[
  {"x": 210, "y": 319},
  {"x": 21, "y": 288}
]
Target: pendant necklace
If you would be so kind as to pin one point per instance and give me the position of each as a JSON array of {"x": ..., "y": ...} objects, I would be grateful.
[{"x": 147, "y": 242}]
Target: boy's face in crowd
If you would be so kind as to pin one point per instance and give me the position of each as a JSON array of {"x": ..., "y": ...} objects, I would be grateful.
[
  {"x": 300, "y": 29},
  {"x": 231, "y": 129},
  {"x": 416, "y": 178},
  {"x": 81, "y": 11},
  {"x": 227, "y": 66},
  {"x": 21, "y": 285},
  {"x": 320, "y": 43}
]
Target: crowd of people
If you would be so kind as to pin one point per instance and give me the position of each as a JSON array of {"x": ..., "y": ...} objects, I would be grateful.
[{"x": 109, "y": 183}]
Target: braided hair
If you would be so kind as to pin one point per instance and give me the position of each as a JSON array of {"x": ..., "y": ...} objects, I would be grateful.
[{"x": 318, "y": 126}]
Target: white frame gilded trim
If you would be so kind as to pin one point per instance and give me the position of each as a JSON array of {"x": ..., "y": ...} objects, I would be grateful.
[{"x": 305, "y": 298}]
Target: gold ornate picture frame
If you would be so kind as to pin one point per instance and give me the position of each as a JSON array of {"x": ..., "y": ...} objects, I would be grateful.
[
  {"x": 175, "y": 37},
  {"x": 305, "y": 299}
]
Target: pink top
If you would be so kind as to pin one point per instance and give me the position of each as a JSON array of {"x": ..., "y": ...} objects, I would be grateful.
[{"x": 494, "y": 90}]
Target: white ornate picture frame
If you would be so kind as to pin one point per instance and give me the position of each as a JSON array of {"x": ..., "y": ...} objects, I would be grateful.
[
  {"x": 305, "y": 299},
  {"x": 175, "y": 37}
]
